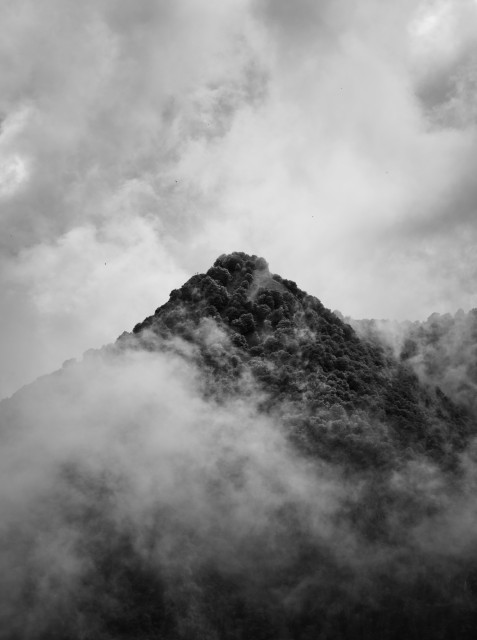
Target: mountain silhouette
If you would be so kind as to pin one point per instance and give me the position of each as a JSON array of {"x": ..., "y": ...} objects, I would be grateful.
[{"x": 243, "y": 464}]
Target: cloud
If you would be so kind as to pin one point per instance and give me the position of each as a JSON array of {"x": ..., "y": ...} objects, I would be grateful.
[
  {"x": 443, "y": 39},
  {"x": 94, "y": 120},
  {"x": 335, "y": 140},
  {"x": 111, "y": 97},
  {"x": 129, "y": 439},
  {"x": 76, "y": 288},
  {"x": 332, "y": 176},
  {"x": 120, "y": 475}
]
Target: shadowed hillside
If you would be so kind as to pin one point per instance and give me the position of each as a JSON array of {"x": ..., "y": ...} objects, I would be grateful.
[{"x": 242, "y": 465}]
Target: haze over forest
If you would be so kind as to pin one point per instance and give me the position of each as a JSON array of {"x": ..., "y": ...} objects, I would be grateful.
[
  {"x": 141, "y": 139},
  {"x": 244, "y": 464}
]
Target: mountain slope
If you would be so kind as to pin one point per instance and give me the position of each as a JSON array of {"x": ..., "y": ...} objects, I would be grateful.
[
  {"x": 241, "y": 465},
  {"x": 304, "y": 356}
]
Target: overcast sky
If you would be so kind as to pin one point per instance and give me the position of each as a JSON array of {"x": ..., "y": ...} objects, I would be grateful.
[{"x": 141, "y": 139}]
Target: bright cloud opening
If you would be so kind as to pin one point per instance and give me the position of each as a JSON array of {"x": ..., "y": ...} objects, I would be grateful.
[{"x": 13, "y": 172}]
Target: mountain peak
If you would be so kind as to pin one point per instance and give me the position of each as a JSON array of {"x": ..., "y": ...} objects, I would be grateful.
[
  {"x": 240, "y": 293},
  {"x": 240, "y": 272},
  {"x": 302, "y": 354}
]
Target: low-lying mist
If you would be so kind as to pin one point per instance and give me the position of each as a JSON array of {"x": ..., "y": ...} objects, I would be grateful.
[
  {"x": 125, "y": 445},
  {"x": 134, "y": 504}
]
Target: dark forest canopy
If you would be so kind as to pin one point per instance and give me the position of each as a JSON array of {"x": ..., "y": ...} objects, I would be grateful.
[
  {"x": 307, "y": 357},
  {"x": 245, "y": 464}
]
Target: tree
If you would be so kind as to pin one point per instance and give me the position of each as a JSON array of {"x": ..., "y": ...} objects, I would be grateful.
[
  {"x": 221, "y": 275},
  {"x": 245, "y": 324}
]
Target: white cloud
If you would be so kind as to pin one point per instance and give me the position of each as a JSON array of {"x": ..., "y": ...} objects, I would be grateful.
[
  {"x": 13, "y": 172},
  {"x": 14, "y": 168},
  {"x": 336, "y": 140},
  {"x": 83, "y": 290}
]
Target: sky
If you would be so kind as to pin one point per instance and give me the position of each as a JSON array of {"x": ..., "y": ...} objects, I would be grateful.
[{"x": 141, "y": 140}]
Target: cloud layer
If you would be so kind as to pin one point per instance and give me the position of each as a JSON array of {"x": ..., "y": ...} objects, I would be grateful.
[
  {"x": 131, "y": 479},
  {"x": 124, "y": 445},
  {"x": 139, "y": 142}
]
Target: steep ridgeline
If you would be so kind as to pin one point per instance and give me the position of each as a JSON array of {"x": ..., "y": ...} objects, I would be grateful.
[
  {"x": 342, "y": 397},
  {"x": 242, "y": 466}
]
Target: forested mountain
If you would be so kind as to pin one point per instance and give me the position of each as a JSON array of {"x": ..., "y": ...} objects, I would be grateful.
[
  {"x": 245, "y": 465},
  {"x": 441, "y": 350}
]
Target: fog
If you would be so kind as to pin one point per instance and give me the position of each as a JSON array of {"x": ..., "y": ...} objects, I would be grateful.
[
  {"x": 126, "y": 444},
  {"x": 129, "y": 464}
]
